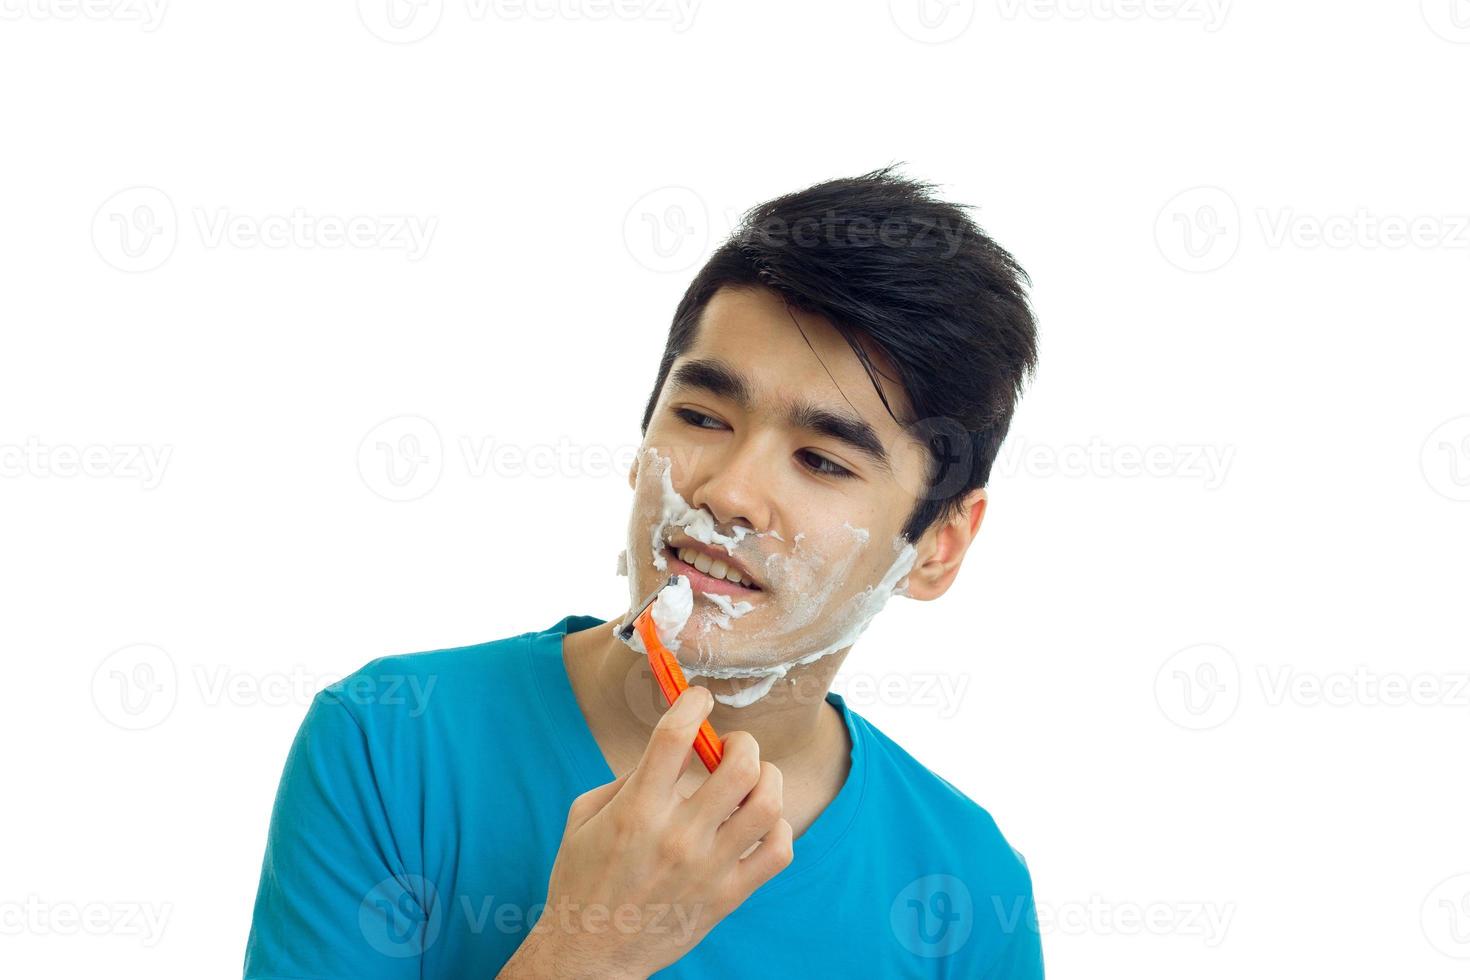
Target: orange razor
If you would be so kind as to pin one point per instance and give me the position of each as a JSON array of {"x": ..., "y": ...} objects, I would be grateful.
[{"x": 670, "y": 676}]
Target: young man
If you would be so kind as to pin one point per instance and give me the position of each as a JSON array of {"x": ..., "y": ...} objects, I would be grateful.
[{"x": 835, "y": 387}]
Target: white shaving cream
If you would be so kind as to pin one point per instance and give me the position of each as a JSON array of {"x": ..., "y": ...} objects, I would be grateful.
[
  {"x": 802, "y": 613},
  {"x": 728, "y": 610}
]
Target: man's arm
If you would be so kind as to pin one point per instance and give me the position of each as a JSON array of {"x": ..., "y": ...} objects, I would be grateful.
[
  {"x": 335, "y": 899},
  {"x": 1019, "y": 957}
]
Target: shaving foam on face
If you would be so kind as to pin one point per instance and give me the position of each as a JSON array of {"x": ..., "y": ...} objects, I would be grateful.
[
  {"x": 728, "y": 610},
  {"x": 857, "y": 612},
  {"x": 670, "y": 612},
  {"x": 698, "y": 524},
  {"x": 812, "y": 602}
]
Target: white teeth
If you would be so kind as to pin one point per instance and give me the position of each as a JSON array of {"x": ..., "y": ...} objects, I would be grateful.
[{"x": 712, "y": 567}]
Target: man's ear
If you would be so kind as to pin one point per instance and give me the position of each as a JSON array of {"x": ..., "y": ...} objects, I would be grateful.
[{"x": 942, "y": 548}]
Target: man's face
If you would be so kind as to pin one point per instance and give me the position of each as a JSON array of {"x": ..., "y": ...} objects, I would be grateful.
[{"x": 770, "y": 450}]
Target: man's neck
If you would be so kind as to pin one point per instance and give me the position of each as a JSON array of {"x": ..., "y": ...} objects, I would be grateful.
[{"x": 795, "y": 726}]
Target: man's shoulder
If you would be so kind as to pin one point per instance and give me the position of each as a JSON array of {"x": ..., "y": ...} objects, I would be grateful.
[
  {"x": 470, "y": 658},
  {"x": 959, "y": 889},
  {"x": 940, "y": 815},
  {"x": 409, "y": 686}
]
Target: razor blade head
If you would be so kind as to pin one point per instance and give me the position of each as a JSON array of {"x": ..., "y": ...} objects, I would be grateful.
[{"x": 626, "y": 630}]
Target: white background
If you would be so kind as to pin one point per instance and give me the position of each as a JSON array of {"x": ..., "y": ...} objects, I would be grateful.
[{"x": 1219, "y": 703}]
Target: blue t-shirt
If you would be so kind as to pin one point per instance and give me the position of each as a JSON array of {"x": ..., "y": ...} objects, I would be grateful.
[{"x": 424, "y": 799}]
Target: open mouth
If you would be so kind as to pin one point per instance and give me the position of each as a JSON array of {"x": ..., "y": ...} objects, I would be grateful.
[{"x": 709, "y": 575}]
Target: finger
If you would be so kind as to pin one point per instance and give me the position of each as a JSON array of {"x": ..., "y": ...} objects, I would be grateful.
[
  {"x": 767, "y": 860},
  {"x": 755, "y": 818},
  {"x": 733, "y": 779},
  {"x": 590, "y": 803},
  {"x": 689, "y": 757},
  {"x": 669, "y": 746}
]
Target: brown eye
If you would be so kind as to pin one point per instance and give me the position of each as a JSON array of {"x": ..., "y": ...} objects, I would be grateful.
[
  {"x": 696, "y": 419},
  {"x": 823, "y": 465}
]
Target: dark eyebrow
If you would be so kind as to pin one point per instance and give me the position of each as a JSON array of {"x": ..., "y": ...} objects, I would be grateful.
[{"x": 724, "y": 381}]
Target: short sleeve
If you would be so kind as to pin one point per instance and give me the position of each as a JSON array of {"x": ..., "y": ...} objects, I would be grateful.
[
  {"x": 335, "y": 900},
  {"x": 1019, "y": 957}
]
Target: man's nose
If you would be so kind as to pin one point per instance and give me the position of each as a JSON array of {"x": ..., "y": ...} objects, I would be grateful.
[{"x": 736, "y": 489}]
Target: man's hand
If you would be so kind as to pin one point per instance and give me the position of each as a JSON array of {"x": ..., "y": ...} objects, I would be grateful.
[{"x": 643, "y": 874}]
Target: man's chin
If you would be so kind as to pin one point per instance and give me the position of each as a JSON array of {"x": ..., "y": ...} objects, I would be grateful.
[
  {"x": 725, "y": 657},
  {"x": 736, "y": 691}
]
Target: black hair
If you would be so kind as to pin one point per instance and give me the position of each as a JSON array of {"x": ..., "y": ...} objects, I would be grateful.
[{"x": 879, "y": 256}]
